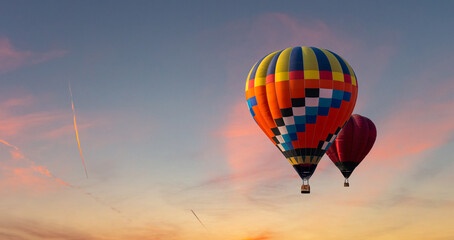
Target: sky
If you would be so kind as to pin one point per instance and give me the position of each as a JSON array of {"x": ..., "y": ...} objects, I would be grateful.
[{"x": 164, "y": 128}]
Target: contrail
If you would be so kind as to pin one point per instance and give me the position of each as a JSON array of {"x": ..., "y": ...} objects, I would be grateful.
[
  {"x": 75, "y": 128},
  {"x": 41, "y": 169},
  {"x": 199, "y": 220},
  {"x": 9, "y": 145}
]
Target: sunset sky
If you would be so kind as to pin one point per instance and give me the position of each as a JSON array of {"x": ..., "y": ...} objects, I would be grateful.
[{"x": 164, "y": 128}]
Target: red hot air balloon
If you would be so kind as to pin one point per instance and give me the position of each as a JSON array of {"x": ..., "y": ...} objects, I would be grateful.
[
  {"x": 301, "y": 97},
  {"x": 352, "y": 145}
]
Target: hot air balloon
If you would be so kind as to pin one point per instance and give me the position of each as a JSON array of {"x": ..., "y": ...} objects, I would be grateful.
[
  {"x": 301, "y": 97},
  {"x": 352, "y": 145}
]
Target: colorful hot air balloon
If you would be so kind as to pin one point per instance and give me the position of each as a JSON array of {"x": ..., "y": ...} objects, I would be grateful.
[
  {"x": 352, "y": 145},
  {"x": 301, "y": 97}
]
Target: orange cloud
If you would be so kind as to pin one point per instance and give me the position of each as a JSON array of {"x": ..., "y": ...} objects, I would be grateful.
[
  {"x": 20, "y": 173},
  {"x": 13, "y": 228},
  {"x": 263, "y": 236},
  {"x": 11, "y": 58},
  {"x": 20, "y": 229}
]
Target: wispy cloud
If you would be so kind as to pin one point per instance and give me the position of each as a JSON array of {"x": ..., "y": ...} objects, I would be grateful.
[
  {"x": 17, "y": 116},
  {"x": 21, "y": 229},
  {"x": 25, "y": 176},
  {"x": 416, "y": 126},
  {"x": 261, "y": 236},
  {"x": 14, "y": 228},
  {"x": 12, "y": 58},
  {"x": 18, "y": 173},
  {"x": 253, "y": 159}
]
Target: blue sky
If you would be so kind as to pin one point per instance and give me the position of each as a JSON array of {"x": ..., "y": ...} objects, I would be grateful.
[{"x": 164, "y": 127}]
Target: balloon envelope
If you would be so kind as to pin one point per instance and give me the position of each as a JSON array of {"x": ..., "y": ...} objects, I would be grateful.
[
  {"x": 353, "y": 144},
  {"x": 301, "y": 97}
]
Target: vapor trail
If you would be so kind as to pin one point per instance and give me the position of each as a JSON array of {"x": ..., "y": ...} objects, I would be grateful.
[
  {"x": 75, "y": 128},
  {"x": 199, "y": 220},
  {"x": 9, "y": 145},
  {"x": 16, "y": 153}
]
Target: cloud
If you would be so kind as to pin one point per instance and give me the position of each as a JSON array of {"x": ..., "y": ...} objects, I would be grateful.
[
  {"x": 18, "y": 116},
  {"x": 408, "y": 134},
  {"x": 20, "y": 173},
  {"x": 14, "y": 125},
  {"x": 20, "y": 229},
  {"x": 262, "y": 236},
  {"x": 14, "y": 228},
  {"x": 252, "y": 158},
  {"x": 12, "y": 58},
  {"x": 274, "y": 31},
  {"x": 416, "y": 126}
]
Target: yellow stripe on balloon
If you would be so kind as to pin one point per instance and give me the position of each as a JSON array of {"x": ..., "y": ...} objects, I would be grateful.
[
  {"x": 310, "y": 64},
  {"x": 260, "y": 74},
  {"x": 282, "y": 66}
]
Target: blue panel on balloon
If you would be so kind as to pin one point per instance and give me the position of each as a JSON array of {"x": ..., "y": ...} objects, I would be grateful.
[
  {"x": 252, "y": 112},
  {"x": 252, "y": 101},
  {"x": 291, "y": 129},
  {"x": 338, "y": 94},
  {"x": 289, "y": 145},
  {"x": 336, "y": 103},
  {"x": 299, "y": 119},
  {"x": 323, "y": 111},
  {"x": 347, "y": 96},
  {"x": 311, "y": 111},
  {"x": 293, "y": 136},
  {"x": 300, "y": 127},
  {"x": 322, "y": 60},
  {"x": 286, "y": 138},
  {"x": 285, "y": 146},
  {"x": 311, "y": 119},
  {"x": 272, "y": 66},
  {"x": 324, "y": 102},
  {"x": 296, "y": 60}
]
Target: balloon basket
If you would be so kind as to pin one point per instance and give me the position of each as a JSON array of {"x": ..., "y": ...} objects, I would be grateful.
[
  {"x": 305, "y": 188},
  {"x": 346, "y": 183}
]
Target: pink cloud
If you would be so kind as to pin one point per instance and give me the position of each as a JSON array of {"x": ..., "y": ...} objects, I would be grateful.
[
  {"x": 251, "y": 156},
  {"x": 12, "y": 58},
  {"x": 416, "y": 126},
  {"x": 18, "y": 117},
  {"x": 413, "y": 130},
  {"x": 19, "y": 173},
  {"x": 275, "y": 31},
  {"x": 14, "y": 125}
]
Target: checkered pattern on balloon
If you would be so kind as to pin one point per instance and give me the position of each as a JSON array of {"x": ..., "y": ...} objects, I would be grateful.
[{"x": 301, "y": 98}]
